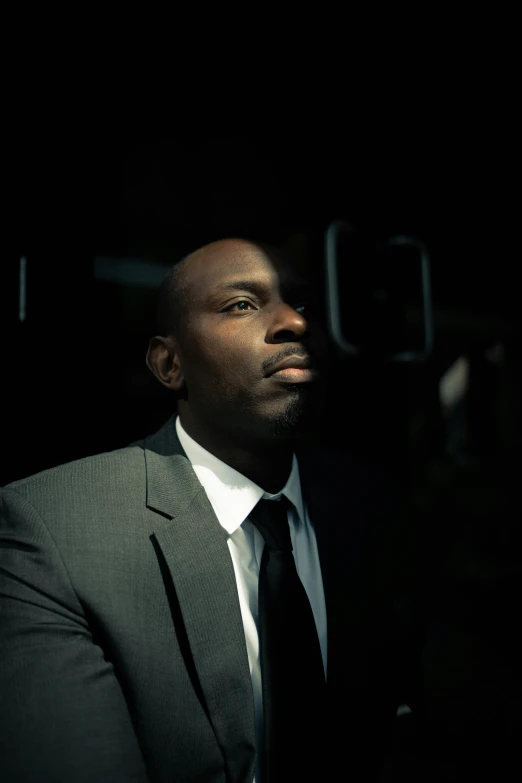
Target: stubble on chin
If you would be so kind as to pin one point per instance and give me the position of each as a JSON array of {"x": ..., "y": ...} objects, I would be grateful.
[{"x": 295, "y": 418}]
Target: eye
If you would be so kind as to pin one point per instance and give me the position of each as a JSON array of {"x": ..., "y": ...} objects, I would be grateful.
[{"x": 240, "y": 306}]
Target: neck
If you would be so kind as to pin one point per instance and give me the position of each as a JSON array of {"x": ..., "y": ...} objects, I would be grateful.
[{"x": 268, "y": 464}]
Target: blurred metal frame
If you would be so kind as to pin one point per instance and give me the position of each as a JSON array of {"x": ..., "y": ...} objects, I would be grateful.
[{"x": 332, "y": 295}]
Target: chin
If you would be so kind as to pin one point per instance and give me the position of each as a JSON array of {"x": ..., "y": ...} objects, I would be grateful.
[{"x": 295, "y": 419}]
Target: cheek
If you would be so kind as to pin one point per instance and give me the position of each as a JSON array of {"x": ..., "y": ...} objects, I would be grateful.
[
  {"x": 215, "y": 363},
  {"x": 235, "y": 376},
  {"x": 223, "y": 353}
]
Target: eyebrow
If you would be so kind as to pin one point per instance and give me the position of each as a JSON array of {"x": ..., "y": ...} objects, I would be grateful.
[
  {"x": 299, "y": 289},
  {"x": 240, "y": 285}
]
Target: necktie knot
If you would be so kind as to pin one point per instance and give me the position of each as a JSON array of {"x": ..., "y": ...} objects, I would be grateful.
[{"x": 271, "y": 519}]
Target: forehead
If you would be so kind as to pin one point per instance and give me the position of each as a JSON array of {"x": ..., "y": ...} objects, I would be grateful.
[{"x": 211, "y": 270}]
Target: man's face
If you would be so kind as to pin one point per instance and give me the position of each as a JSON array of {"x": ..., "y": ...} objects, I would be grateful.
[{"x": 250, "y": 347}]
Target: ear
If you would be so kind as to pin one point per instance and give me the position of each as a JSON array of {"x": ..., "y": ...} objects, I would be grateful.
[{"x": 163, "y": 361}]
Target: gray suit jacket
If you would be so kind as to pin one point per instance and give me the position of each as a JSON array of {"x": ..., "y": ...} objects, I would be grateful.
[{"x": 123, "y": 656}]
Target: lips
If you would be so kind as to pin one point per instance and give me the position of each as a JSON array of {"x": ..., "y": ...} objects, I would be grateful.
[
  {"x": 292, "y": 362},
  {"x": 294, "y": 369}
]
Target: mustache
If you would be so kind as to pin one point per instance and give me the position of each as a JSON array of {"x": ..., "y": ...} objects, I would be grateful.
[{"x": 284, "y": 354}]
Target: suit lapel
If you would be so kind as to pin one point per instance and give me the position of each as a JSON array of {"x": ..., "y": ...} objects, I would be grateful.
[{"x": 196, "y": 552}]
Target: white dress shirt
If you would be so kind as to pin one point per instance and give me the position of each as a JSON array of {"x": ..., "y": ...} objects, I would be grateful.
[{"x": 233, "y": 496}]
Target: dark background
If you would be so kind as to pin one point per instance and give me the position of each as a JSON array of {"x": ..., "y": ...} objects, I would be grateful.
[
  {"x": 75, "y": 365},
  {"x": 75, "y": 383}
]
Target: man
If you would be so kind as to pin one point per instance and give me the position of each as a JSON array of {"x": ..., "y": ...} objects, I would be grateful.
[{"x": 139, "y": 588}]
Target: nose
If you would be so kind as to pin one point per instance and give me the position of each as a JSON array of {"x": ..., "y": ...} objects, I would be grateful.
[{"x": 287, "y": 325}]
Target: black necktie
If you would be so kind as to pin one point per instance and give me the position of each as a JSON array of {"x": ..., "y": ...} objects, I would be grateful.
[{"x": 291, "y": 664}]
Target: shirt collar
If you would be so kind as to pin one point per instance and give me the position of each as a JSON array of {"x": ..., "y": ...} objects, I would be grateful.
[{"x": 232, "y": 495}]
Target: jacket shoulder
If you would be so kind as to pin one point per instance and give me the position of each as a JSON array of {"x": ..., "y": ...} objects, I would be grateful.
[{"x": 102, "y": 478}]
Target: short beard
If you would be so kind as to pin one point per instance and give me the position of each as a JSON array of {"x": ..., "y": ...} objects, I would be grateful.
[{"x": 294, "y": 419}]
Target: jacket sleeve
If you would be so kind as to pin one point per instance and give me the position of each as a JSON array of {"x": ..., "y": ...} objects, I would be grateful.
[{"x": 63, "y": 716}]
